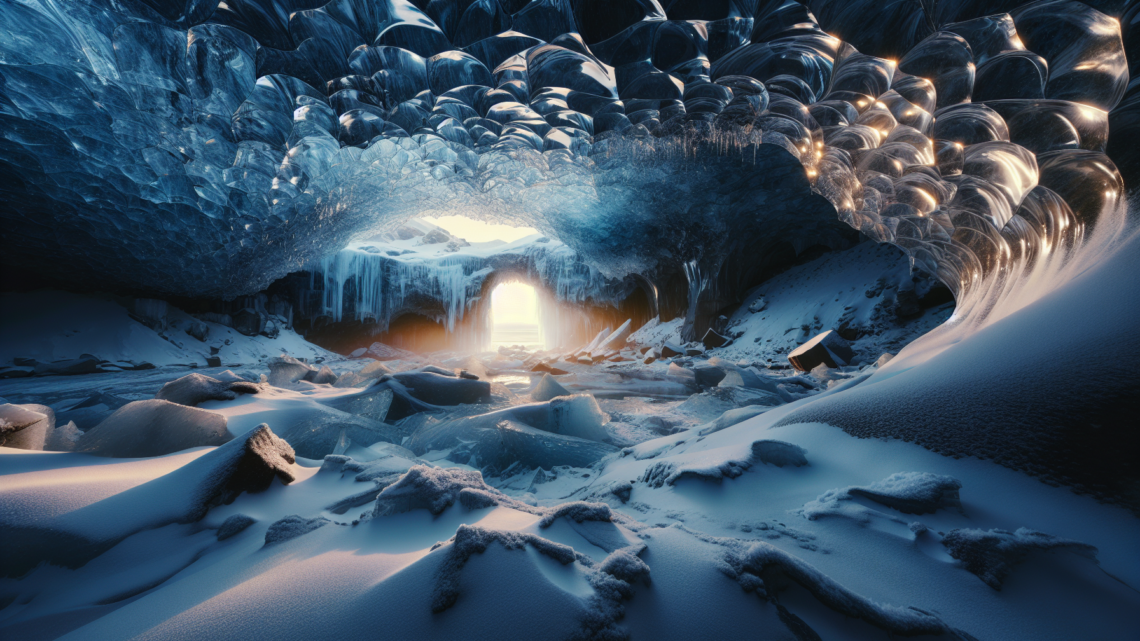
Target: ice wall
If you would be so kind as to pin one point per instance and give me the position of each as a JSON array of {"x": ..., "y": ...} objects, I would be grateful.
[{"x": 207, "y": 148}]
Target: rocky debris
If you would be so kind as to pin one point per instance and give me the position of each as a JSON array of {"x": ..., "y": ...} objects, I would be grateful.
[
  {"x": 992, "y": 554},
  {"x": 443, "y": 390},
  {"x": 192, "y": 389},
  {"x": 553, "y": 371},
  {"x": 913, "y": 492},
  {"x": 325, "y": 376},
  {"x": 153, "y": 428},
  {"x": 548, "y": 388},
  {"x": 16, "y": 372},
  {"x": 85, "y": 364},
  {"x": 234, "y": 525},
  {"x": 669, "y": 350},
  {"x": 292, "y": 527},
  {"x": 25, "y": 427},
  {"x": 712, "y": 340},
  {"x": 779, "y": 453},
  {"x": 828, "y": 348},
  {"x": 758, "y": 305},
  {"x": 213, "y": 361},
  {"x": 429, "y": 488},
  {"x": 286, "y": 370}
]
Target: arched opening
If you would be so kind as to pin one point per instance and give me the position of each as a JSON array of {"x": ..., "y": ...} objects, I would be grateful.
[{"x": 514, "y": 317}]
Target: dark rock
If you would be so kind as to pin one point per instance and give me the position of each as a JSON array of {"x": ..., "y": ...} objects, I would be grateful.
[
  {"x": 669, "y": 350},
  {"x": 712, "y": 340},
  {"x": 828, "y": 348},
  {"x": 623, "y": 491},
  {"x": 16, "y": 372},
  {"x": 198, "y": 330},
  {"x": 913, "y": 492},
  {"x": 249, "y": 321},
  {"x": 213, "y": 361},
  {"x": 468, "y": 375}
]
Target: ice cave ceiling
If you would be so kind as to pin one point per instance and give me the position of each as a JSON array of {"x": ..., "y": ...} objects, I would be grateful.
[{"x": 206, "y": 148}]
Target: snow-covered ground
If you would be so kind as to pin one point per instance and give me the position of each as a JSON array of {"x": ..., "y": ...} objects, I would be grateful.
[{"x": 645, "y": 498}]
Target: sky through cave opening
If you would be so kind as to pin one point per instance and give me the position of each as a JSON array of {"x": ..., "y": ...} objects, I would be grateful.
[{"x": 515, "y": 316}]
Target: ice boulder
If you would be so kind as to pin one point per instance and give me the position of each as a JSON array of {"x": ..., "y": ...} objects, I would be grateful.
[
  {"x": 547, "y": 389},
  {"x": 192, "y": 389},
  {"x": 438, "y": 389},
  {"x": 828, "y": 348},
  {"x": 153, "y": 428},
  {"x": 286, "y": 370},
  {"x": 325, "y": 376}
]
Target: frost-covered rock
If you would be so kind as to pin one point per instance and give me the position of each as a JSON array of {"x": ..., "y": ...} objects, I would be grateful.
[
  {"x": 992, "y": 554},
  {"x": 429, "y": 488},
  {"x": 234, "y": 525},
  {"x": 325, "y": 376},
  {"x": 292, "y": 527},
  {"x": 154, "y": 428}
]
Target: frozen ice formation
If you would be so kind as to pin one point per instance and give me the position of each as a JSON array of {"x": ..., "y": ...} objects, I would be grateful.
[{"x": 208, "y": 148}]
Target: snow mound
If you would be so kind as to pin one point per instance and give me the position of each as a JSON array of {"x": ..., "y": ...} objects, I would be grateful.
[
  {"x": 907, "y": 492},
  {"x": 779, "y": 453},
  {"x": 235, "y": 525},
  {"x": 992, "y": 554},
  {"x": 154, "y": 428},
  {"x": 579, "y": 512}
]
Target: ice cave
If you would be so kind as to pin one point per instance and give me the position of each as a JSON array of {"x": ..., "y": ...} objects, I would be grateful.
[{"x": 570, "y": 319}]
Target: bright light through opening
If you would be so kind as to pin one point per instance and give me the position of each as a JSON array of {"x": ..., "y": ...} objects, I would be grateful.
[
  {"x": 514, "y": 316},
  {"x": 476, "y": 231}
]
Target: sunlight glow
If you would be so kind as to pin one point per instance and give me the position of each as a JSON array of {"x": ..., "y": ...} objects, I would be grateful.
[
  {"x": 514, "y": 315},
  {"x": 477, "y": 231}
]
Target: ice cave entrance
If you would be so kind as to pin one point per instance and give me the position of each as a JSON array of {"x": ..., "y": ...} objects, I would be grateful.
[{"x": 514, "y": 316}]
